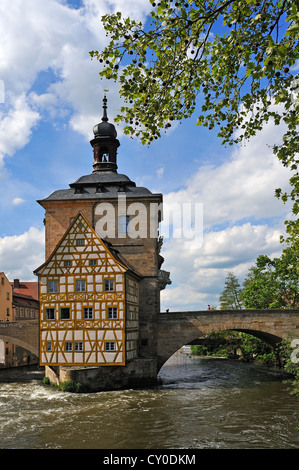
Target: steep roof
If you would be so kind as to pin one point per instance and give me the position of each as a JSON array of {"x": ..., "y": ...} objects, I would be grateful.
[
  {"x": 29, "y": 289},
  {"x": 99, "y": 242}
]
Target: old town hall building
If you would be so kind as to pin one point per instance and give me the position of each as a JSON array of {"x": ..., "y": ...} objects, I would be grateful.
[{"x": 100, "y": 284}]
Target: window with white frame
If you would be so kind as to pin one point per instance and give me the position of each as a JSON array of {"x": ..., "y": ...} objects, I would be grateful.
[
  {"x": 80, "y": 241},
  {"x": 53, "y": 287},
  {"x": 68, "y": 346},
  {"x": 87, "y": 313},
  {"x": 92, "y": 262},
  {"x": 109, "y": 285},
  {"x": 112, "y": 313},
  {"x": 78, "y": 346},
  {"x": 80, "y": 285}
]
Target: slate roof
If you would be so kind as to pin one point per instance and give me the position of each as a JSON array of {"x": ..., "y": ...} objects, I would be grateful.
[{"x": 100, "y": 185}]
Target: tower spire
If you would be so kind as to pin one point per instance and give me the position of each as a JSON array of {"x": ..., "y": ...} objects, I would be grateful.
[{"x": 105, "y": 118}]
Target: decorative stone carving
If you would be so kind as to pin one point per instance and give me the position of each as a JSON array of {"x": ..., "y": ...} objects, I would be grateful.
[{"x": 163, "y": 279}]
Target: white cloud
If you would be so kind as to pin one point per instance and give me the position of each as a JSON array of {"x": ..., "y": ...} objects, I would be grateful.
[
  {"x": 17, "y": 201},
  {"x": 160, "y": 172},
  {"x": 2, "y": 92},
  {"x": 40, "y": 36},
  {"x": 16, "y": 126},
  {"x": 21, "y": 254},
  {"x": 198, "y": 274},
  {"x": 241, "y": 187},
  {"x": 136, "y": 9},
  {"x": 242, "y": 219},
  {"x": 32, "y": 33}
]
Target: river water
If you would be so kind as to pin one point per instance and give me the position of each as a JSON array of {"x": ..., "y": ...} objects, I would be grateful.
[{"x": 202, "y": 403}]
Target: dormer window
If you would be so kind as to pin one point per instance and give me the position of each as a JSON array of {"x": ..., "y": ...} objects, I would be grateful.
[
  {"x": 100, "y": 188},
  {"x": 79, "y": 190}
]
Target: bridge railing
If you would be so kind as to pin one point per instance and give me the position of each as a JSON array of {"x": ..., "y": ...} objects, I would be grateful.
[{"x": 269, "y": 311}]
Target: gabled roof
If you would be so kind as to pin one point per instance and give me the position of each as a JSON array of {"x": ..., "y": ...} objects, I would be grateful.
[{"x": 102, "y": 246}]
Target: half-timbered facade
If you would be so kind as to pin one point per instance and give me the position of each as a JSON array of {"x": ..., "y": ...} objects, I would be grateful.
[{"x": 89, "y": 302}]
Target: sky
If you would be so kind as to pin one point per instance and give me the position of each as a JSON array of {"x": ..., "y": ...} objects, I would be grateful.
[{"x": 50, "y": 99}]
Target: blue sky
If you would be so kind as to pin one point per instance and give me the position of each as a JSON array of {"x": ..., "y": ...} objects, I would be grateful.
[{"x": 53, "y": 98}]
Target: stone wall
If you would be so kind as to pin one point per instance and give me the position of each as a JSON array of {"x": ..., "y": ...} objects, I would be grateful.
[{"x": 138, "y": 373}]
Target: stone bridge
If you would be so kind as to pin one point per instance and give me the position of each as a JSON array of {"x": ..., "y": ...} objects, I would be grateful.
[
  {"x": 23, "y": 333},
  {"x": 176, "y": 329}
]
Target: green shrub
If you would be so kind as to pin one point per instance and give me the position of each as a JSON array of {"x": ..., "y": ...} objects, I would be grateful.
[{"x": 73, "y": 387}]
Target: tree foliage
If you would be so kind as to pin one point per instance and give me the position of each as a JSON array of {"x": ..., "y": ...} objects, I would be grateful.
[
  {"x": 230, "y": 298},
  {"x": 233, "y": 344},
  {"x": 232, "y": 58},
  {"x": 273, "y": 283}
]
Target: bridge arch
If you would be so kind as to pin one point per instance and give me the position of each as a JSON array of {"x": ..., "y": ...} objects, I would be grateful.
[
  {"x": 23, "y": 334},
  {"x": 18, "y": 342},
  {"x": 179, "y": 328}
]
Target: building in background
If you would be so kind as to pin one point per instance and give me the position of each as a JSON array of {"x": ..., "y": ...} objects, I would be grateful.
[{"x": 18, "y": 302}]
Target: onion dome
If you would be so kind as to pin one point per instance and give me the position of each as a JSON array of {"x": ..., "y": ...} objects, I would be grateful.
[
  {"x": 104, "y": 128},
  {"x": 104, "y": 144}
]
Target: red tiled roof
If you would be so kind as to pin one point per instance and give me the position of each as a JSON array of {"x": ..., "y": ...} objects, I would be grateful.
[{"x": 26, "y": 288}]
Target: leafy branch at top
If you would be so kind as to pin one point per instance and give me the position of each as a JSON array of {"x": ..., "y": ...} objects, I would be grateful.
[{"x": 232, "y": 59}]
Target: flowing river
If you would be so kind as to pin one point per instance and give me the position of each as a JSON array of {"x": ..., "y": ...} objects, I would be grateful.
[{"x": 202, "y": 403}]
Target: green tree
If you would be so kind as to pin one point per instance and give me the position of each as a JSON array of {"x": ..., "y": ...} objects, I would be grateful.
[
  {"x": 230, "y": 298},
  {"x": 259, "y": 287},
  {"x": 273, "y": 283},
  {"x": 232, "y": 58},
  {"x": 234, "y": 344}
]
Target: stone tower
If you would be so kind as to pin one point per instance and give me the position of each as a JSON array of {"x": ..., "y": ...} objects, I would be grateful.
[{"x": 126, "y": 218}]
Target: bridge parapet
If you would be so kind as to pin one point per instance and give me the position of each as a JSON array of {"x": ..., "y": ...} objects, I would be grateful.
[{"x": 265, "y": 311}]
